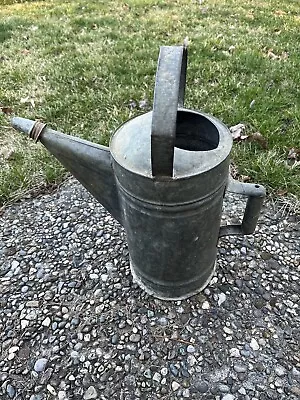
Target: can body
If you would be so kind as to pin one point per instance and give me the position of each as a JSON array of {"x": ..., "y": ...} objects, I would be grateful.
[
  {"x": 172, "y": 223},
  {"x": 172, "y": 248}
]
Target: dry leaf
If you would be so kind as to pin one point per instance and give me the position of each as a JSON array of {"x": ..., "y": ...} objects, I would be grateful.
[
  {"x": 28, "y": 100},
  {"x": 6, "y": 110},
  {"x": 271, "y": 55},
  {"x": 237, "y": 132},
  {"x": 258, "y": 137},
  {"x": 280, "y": 13},
  {"x": 283, "y": 56},
  {"x": 25, "y": 51},
  {"x": 245, "y": 178},
  {"x": 281, "y": 192},
  {"x": 7, "y": 154},
  {"x": 294, "y": 154}
]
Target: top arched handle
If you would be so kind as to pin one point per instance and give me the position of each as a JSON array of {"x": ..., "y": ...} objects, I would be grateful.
[{"x": 168, "y": 96}]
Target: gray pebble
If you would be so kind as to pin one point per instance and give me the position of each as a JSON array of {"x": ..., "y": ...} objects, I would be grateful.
[
  {"x": 135, "y": 337},
  {"x": 190, "y": 349},
  {"x": 90, "y": 393},
  {"x": 228, "y": 397},
  {"x": 202, "y": 387},
  {"x": 240, "y": 368},
  {"x": 173, "y": 369},
  {"x": 11, "y": 391},
  {"x": 115, "y": 339},
  {"x": 40, "y": 364}
]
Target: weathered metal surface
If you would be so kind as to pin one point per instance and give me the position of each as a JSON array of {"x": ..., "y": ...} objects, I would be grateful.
[
  {"x": 90, "y": 163},
  {"x": 164, "y": 178},
  {"x": 256, "y": 195},
  {"x": 169, "y": 91}
]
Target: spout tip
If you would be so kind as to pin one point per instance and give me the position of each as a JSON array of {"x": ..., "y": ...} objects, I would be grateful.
[{"x": 22, "y": 124}]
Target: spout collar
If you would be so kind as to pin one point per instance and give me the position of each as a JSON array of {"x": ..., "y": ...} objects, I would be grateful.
[{"x": 36, "y": 130}]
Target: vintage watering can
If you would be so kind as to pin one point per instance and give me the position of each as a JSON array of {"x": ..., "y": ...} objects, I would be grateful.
[{"x": 163, "y": 178}]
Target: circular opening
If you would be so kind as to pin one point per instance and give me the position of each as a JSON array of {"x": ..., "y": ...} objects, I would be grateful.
[
  {"x": 195, "y": 132},
  {"x": 257, "y": 186}
]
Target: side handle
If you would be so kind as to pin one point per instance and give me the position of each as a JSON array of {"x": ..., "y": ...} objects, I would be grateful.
[{"x": 256, "y": 195}]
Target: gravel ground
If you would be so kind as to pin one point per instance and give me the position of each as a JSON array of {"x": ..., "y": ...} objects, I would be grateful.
[{"x": 73, "y": 325}]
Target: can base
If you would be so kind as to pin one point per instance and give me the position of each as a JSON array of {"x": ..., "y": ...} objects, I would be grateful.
[{"x": 160, "y": 296}]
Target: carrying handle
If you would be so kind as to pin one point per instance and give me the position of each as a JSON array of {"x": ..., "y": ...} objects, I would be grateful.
[
  {"x": 256, "y": 195},
  {"x": 168, "y": 96}
]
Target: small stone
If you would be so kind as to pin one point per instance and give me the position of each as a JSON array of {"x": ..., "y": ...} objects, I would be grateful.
[
  {"x": 74, "y": 354},
  {"x": 46, "y": 322},
  {"x": 135, "y": 337},
  {"x": 224, "y": 388},
  {"x": 40, "y": 364},
  {"x": 75, "y": 321},
  {"x": 51, "y": 390},
  {"x": 221, "y": 298},
  {"x": 91, "y": 393},
  {"x": 175, "y": 386},
  {"x": 104, "y": 277},
  {"x": 32, "y": 303},
  {"x": 62, "y": 395},
  {"x": 202, "y": 387},
  {"x": 254, "y": 345},
  {"x": 240, "y": 368},
  {"x": 163, "y": 321},
  {"x": 173, "y": 370},
  {"x": 295, "y": 390},
  {"x": 115, "y": 339},
  {"x": 156, "y": 377},
  {"x": 280, "y": 371},
  {"x": 205, "y": 305},
  {"x": 228, "y": 397},
  {"x": 147, "y": 374},
  {"x": 10, "y": 390},
  {"x": 190, "y": 349},
  {"x": 94, "y": 276},
  {"x": 15, "y": 264},
  {"x": 13, "y": 349},
  {"x": 228, "y": 330},
  {"x": 164, "y": 371},
  {"x": 191, "y": 360},
  {"x": 234, "y": 352},
  {"x": 243, "y": 250},
  {"x": 24, "y": 323},
  {"x": 78, "y": 346}
]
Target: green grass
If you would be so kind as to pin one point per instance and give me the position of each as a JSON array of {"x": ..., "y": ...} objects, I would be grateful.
[{"x": 78, "y": 65}]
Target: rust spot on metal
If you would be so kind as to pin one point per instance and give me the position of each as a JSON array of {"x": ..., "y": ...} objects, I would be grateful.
[{"x": 36, "y": 130}]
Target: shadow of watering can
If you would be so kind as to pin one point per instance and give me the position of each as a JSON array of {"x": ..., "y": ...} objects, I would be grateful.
[{"x": 163, "y": 178}]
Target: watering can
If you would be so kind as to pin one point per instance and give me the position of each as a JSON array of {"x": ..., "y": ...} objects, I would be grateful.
[{"x": 163, "y": 178}]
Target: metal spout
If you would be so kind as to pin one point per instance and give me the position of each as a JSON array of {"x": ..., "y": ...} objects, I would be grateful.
[{"x": 90, "y": 163}]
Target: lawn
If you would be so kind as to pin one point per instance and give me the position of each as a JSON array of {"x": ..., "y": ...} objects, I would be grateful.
[{"x": 84, "y": 67}]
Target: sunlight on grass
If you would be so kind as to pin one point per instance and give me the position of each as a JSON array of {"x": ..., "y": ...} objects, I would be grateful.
[{"x": 80, "y": 66}]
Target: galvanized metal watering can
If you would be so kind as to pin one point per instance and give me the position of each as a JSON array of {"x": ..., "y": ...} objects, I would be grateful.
[{"x": 163, "y": 178}]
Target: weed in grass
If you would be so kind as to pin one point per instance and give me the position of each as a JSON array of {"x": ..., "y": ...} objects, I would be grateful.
[{"x": 79, "y": 66}]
